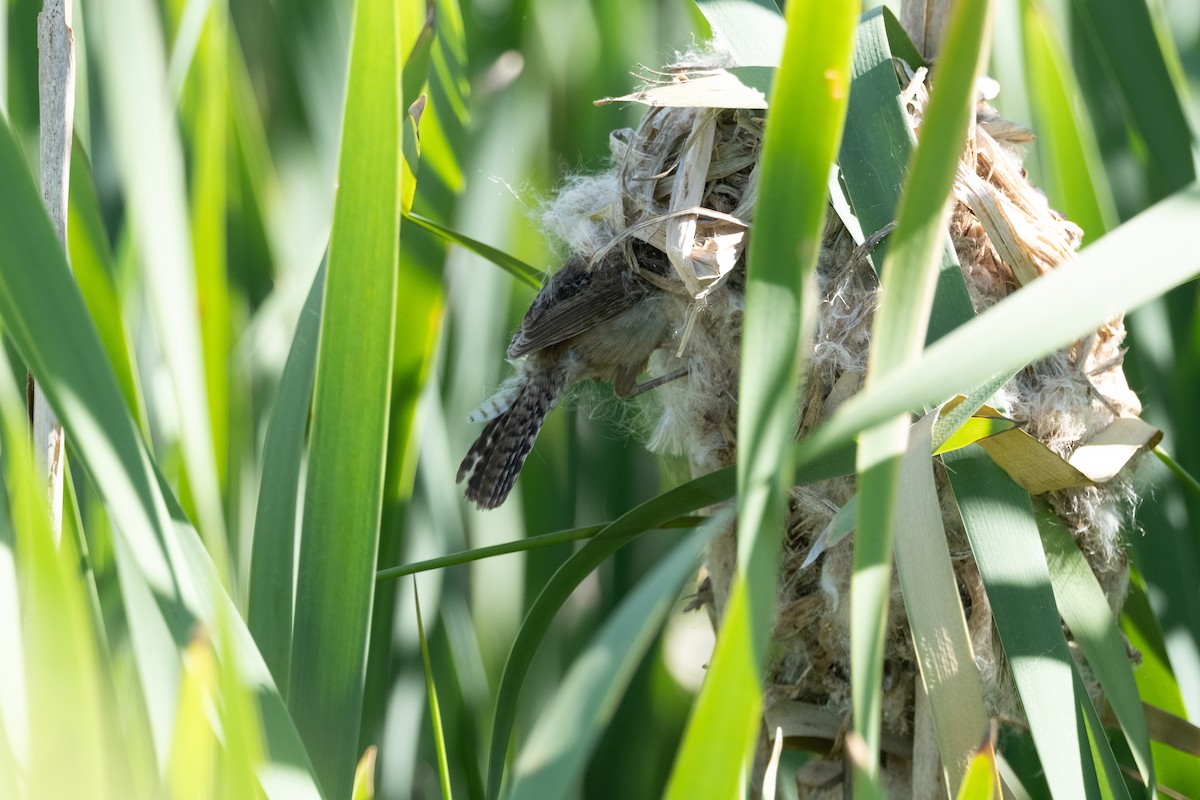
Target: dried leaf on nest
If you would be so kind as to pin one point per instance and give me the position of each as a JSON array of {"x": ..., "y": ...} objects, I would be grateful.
[
  {"x": 736, "y": 87},
  {"x": 1037, "y": 469}
]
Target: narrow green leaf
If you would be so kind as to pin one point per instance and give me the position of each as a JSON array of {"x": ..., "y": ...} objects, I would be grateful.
[
  {"x": 1108, "y": 777},
  {"x": 411, "y": 153},
  {"x": 518, "y": 546},
  {"x": 192, "y": 765},
  {"x": 553, "y": 758},
  {"x": 62, "y": 666},
  {"x": 870, "y": 585},
  {"x": 876, "y": 152},
  {"x": 91, "y": 263},
  {"x": 692, "y": 496},
  {"x": 982, "y": 782},
  {"x": 252, "y": 182},
  {"x": 510, "y": 264},
  {"x": 807, "y": 112},
  {"x": 1186, "y": 478},
  {"x": 709, "y": 765},
  {"x": 364, "y": 776},
  {"x": 908, "y": 281},
  {"x": 435, "y": 712},
  {"x": 209, "y": 208},
  {"x": 241, "y": 728},
  {"x": 1123, "y": 38},
  {"x": 1000, "y": 524},
  {"x": 1085, "y": 611},
  {"x": 1071, "y": 166},
  {"x": 270, "y": 609},
  {"x": 909, "y": 274},
  {"x": 688, "y": 498},
  {"x": 417, "y": 61},
  {"x": 344, "y": 490}
]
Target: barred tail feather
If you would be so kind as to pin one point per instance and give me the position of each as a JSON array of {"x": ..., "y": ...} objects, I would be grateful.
[{"x": 496, "y": 458}]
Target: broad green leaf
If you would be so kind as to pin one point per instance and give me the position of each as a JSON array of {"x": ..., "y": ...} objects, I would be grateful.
[
  {"x": 167, "y": 578},
  {"x": 1000, "y": 524},
  {"x": 808, "y": 104},
  {"x": 344, "y": 489},
  {"x": 553, "y": 758},
  {"x": 934, "y": 608},
  {"x": 1086, "y": 613},
  {"x": 752, "y": 30},
  {"x": 150, "y": 163}
]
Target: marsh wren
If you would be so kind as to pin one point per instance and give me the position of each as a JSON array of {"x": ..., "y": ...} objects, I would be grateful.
[{"x": 600, "y": 322}]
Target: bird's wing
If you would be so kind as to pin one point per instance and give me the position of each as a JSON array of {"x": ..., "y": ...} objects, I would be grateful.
[{"x": 575, "y": 300}]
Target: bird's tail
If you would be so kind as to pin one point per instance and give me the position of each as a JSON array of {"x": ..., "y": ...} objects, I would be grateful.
[{"x": 496, "y": 458}]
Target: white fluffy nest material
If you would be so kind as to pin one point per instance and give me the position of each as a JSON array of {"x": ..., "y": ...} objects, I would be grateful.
[{"x": 685, "y": 182}]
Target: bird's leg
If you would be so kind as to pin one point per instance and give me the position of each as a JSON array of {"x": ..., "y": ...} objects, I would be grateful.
[
  {"x": 666, "y": 284},
  {"x": 870, "y": 243},
  {"x": 626, "y": 385}
]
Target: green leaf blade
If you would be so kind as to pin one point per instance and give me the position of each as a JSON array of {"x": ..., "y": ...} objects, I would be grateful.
[
  {"x": 1000, "y": 525},
  {"x": 808, "y": 106},
  {"x": 344, "y": 495}
]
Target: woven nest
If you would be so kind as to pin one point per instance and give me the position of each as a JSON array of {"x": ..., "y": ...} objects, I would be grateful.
[{"x": 1005, "y": 235}]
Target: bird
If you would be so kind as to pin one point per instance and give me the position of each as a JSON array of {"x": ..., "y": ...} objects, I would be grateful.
[{"x": 597, "y": 321}]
